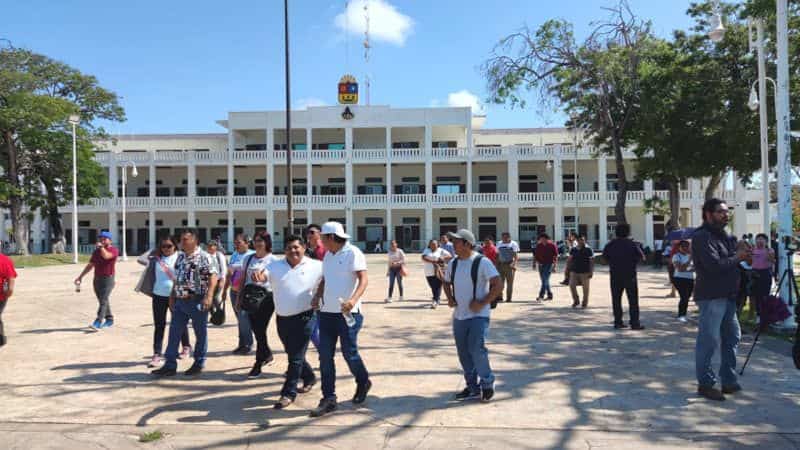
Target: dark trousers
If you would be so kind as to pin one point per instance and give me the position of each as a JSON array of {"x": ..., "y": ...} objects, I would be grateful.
[
  {"x": 102, "y": 289},
  {"x": 259, "y": 319},
  {"x": 332, "y": 328},
  {"x": 160, "y": 307},
  {"x": 394, "y": 274},
  {"x": 2, "y": 307},
  {"x": 627, "y": 283},
  {"x": 436, "y": 287},
  {"x": 295, "y": 333},
  {"x": 685, "y": 286}
]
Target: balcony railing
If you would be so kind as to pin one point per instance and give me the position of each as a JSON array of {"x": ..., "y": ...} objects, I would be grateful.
[
  {"x": 402, "y": 154},
  {"x": 450, "y": 154},
  {"x": 536, "y": 197},
  {"x": 211, "y": 156},
  {"x": 371, "y": 154},
  {"x": 250, "y": 155},
  {"x": 170, "y": 156},
  {"x": 490, "y": 198},
  {"x": 408, "y": 199},
  {"x": 211, "y": 202},
  {"x": 170, "y": 202},
  {"x": 449, "y": 199},
  {"x": 328, "y": 201},
  {"x": 369, "y": 200}
]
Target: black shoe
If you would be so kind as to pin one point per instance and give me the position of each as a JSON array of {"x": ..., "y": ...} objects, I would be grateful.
[
  {"x": 255, "y": 372},
  {"x": 194, "y": 370},
  {"x": 466, "y": 394},
  {"x": 268, "y": 361},
  {"x": 361, "y": 393},
  {"x": 731, "y": 388},
  {"x": 242, "y": 351},
  {"x": 283, "y": 402},
  {"x": 638, "y": 326},
  {"x": 710, "y": 393},
  {"x": 508, "y": 300},
  {"x": 486, "y": 395},
  {"x": 549, "y": 297},
  {"x": 326, "y": 405},
  {"x": 620, "y": 325},
  {"x": 164, "y": 372},
  {"x": 3, "y": 340},
  {"x": 307, "y": 386},
  {"x": 565, "y": 282}
]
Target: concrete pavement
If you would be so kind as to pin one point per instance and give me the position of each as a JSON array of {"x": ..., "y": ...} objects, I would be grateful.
[{"x": 565, "y": 378}]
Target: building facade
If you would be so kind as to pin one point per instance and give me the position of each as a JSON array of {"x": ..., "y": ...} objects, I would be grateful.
[{"x": 386, "y": 173}]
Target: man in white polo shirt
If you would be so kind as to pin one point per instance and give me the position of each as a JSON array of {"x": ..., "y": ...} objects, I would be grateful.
[
  {"x": 338, "y": 298},
  {"x": 294, "y": 281},
  {"x": 471, "y": 283}
]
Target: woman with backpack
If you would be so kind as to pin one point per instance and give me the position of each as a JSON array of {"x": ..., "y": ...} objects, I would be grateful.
[
  {"x": 157, "y": 282},
  {"x": 255, "y": 297}
]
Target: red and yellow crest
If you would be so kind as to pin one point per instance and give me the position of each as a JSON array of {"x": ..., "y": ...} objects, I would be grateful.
[{"x": 348, "y": 90}]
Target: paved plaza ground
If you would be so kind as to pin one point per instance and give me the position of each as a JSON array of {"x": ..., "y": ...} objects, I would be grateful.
[{"x": 565, "y": 378}]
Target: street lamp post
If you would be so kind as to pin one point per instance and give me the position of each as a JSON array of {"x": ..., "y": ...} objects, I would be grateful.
[
  {"x": 134, "y": 173},
  {"x": 762, "y": 118},
  {"x": 74, "y": 120}
]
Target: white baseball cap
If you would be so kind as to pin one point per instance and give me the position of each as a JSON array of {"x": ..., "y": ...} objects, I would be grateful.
[{"x": 334, "y": 228}]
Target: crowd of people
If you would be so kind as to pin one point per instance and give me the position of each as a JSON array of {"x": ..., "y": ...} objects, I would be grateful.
[{"x": 315, "y": 290}]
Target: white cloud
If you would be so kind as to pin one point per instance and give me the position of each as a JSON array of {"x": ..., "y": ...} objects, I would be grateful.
[
  {"x": 304, "y": 103},
  {"x": 386, "y": 23},
  {"x": 466, "y": 98}
]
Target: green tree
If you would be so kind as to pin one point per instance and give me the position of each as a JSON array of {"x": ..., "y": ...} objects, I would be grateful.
[
  {"x": 596, "y": 81},
  {"x": 37, "y": 94}
]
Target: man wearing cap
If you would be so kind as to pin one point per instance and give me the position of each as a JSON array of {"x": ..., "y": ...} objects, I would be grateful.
[
  {"x": 103, "y": 261},
  {"x": 338, "y": 298},
  {"x": 471, "y": 297}
]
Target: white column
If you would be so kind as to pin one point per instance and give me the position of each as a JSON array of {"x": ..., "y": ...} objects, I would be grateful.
[
  {"x": 113, "y": 178},
  {"x": 113, "y": 227},
  {"x": 269, "y": 211},
  {"x": 602, "y": 175},
  {"x": 740, "y": 211},
  {"x": 513, "y": 189},
  {"x": 151, "y": 229},
  {"x": 152, "y": 183},
  {"x": 648, "y": 218},
  {"x": 558, "y": 188},
  {"x": 231, "y": 175},
  {"x": 309, "y": 175},
  {"x": 348, "y": 177},
  {"x": 469, "y": 190},
  {"x": 191, "y": 192},
  {"x": 36, "y": 234}
]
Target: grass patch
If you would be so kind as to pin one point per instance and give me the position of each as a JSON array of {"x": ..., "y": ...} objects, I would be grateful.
[
  {"x": 47, "y": 259},
  {"x": 151, "y": 436}
]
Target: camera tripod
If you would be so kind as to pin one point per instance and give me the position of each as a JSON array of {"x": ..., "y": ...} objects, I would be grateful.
[{"x": 794, "y": 296}]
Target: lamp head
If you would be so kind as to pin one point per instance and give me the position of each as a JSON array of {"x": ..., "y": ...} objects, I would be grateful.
[
  {"x": 549, "y": 166},
  {"x": 134, "y": 172},
  {"x": 752, "y": 102},
  {"x": 74, "y": 119},
  {"x": 717, "y": 32}
]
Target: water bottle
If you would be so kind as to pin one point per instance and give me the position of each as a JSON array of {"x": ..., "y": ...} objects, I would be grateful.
[
  {"x": 77, "y": 286},
  {"x": 348, "y": 317}
]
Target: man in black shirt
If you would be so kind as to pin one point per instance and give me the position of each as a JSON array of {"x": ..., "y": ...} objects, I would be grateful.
[
  {"x": 581, "y": 267},
  {"x": 622, "y": 255}
]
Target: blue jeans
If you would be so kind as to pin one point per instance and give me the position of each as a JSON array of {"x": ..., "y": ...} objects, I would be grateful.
[
  {"x": 718, "y": 329},
  {"x": 470, "y": 338},
  {"x": 245, "y": 328},
  {"x": 333, "y": 327},
  {"x": 184, "y": 311},
  {"x": 394, "y": 274},
  {"x": 544, "y": 275}
]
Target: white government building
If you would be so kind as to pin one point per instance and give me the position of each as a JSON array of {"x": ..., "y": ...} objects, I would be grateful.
[{"x": 408, "y": 174}]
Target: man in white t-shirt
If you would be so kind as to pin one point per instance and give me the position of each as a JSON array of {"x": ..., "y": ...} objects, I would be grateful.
[
  {"x": 338, "y": 297},
  {"x": 294, "y": 281},
  {"x": 507, "y": 256},
  {"x": 471, "y": 298}
]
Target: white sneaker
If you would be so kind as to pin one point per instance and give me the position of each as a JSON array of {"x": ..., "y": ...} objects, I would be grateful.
[
  {"x": 682, "y": 319},
  {"x": 434, "y": 305},
  {"x": 388, "y": 300}
]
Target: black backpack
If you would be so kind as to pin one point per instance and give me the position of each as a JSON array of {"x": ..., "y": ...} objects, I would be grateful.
[{"x": 473, "y": 273}]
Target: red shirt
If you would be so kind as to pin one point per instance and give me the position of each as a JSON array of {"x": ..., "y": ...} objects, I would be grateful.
[
  {"x": 546, "y": 253},
  {"x": 6, "y": 272},
  {"x": 491, "y": 253},
  {"x": 104, "y": 267}
]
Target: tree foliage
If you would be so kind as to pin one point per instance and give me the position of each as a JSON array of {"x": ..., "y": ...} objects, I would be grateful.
[
  {"x": 596, "y": 81},
  {"x": 37, "y": 95}
]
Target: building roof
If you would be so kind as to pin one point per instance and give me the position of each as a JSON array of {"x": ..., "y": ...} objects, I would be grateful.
[
  {"x": 153, "y": 137},
  {"x": 520, "y": 130}
]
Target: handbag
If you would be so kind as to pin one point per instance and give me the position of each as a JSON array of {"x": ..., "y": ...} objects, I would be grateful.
[
  {"x": 439, "y": 271},
  {"x": 217, "y": 313},
  {"x": 403, "y": 270},
  {"x": 252, "y": 296}
]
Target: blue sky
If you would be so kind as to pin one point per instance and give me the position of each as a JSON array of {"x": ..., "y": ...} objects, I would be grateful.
[{"x": 180, "y": 65}]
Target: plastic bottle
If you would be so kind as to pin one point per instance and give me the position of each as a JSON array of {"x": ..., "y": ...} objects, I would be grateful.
[{"x": 348, "y": 317}]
